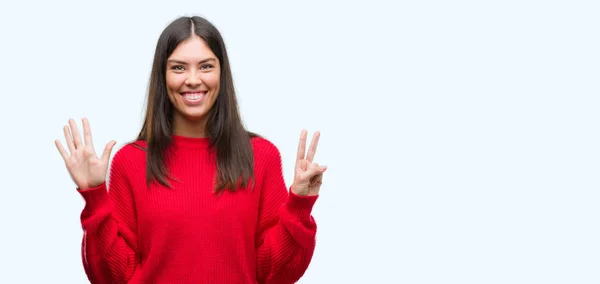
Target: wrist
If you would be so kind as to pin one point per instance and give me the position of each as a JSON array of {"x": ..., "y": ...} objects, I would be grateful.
[{"x": 299, "y": 189}]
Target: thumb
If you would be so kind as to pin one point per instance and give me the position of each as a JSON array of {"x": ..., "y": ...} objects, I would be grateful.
[
  {"x": 107, "y": 150},
  {"x": 313, "y": 170}
]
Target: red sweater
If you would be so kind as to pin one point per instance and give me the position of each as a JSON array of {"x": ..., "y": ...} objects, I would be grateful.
[{"x": 139, "y": 234}]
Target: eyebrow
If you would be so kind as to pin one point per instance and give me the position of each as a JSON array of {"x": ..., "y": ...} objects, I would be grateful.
[{"x": 183, "y": 62}]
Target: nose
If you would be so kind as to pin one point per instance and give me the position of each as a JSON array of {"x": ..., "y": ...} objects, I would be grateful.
[{"x": 193, "y": 79}]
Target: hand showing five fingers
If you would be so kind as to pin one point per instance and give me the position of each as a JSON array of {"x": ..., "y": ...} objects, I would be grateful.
[
  {"x": 308, "y": 176},
  {"x": 86, "y": 169}
]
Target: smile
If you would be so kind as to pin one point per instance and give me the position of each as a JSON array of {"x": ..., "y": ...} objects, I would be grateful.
[{"x": 193, "y": 98}]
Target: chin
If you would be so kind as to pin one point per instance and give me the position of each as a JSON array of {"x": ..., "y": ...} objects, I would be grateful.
[{"x": 194, "y": 116}]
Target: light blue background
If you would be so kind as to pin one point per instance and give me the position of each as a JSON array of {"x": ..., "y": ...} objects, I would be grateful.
[{"x": 461, "y": 136}]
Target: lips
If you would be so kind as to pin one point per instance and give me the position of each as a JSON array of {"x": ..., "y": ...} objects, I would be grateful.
[{"x": 193, "y": 98}]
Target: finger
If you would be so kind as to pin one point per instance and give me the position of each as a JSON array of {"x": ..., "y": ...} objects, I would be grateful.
[
  {"x": 313, "y": 170},
  {"x": 316, "y": 183},
  {"x": 301, "y": 146},
  {"x": 87, "y": 133},
  {"x": 69, "y": 139},
  {"x": 75, "y": 133},
  {"x": 61, "y": 150},
  {"x": 107, "y": 150},
  {"x": 318, "y": 179},
  {"x": 313, "y": 147}
]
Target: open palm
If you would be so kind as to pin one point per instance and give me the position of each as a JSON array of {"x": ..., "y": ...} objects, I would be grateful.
[
  {"x": 85, "y": 168},
  {"x": 308, "y": 176}
]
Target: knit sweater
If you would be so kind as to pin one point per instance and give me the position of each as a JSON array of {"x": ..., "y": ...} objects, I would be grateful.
[{"x": 134, "y": 233}]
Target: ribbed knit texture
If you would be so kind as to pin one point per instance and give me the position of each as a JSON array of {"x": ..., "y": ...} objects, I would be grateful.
[{"x": 139, "y": 234}]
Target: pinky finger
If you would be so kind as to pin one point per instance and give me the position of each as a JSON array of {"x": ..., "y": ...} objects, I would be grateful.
[
  {"x": 319, "y": 179},
  {"x": 61, "y": 150}
]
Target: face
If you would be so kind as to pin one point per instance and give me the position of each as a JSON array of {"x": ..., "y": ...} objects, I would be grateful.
[{"x": 193, "y": 80}]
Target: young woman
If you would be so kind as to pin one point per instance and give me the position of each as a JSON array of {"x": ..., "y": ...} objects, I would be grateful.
[{"x": 195, "y": 198}]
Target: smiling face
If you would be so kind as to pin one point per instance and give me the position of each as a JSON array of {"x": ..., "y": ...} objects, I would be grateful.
[{"x": 192, "y": 81}]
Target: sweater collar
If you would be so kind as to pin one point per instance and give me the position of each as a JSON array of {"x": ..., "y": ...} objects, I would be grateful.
[{"x": 190, "y": 142}]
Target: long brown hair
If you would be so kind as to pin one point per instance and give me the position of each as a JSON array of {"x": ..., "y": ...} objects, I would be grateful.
[{"x": 226, "y": 133}]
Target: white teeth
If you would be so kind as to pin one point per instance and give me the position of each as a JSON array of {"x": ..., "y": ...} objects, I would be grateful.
[{"x": 193, "y": 96}]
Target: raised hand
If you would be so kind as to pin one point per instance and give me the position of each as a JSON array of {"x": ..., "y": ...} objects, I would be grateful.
[
  {"x": 86, "y": 169},
  {"x": 308, "y": 176}
]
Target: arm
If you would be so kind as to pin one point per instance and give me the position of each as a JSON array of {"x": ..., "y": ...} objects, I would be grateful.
[
  {"x": 286, "y": 230},
  {"x": 109, "y": 226}
]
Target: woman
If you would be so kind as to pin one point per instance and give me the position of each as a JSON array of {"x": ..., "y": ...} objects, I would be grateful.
[{"x": 195, "y": 198}]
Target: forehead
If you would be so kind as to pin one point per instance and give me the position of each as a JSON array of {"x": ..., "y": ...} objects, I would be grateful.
[{"x": 194, "y": 48}]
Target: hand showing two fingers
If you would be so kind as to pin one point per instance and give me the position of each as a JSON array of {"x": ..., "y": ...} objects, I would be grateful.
[{"x": 308, "y": 176}]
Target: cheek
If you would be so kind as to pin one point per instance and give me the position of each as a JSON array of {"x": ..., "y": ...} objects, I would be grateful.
[
  {"x": 212, "y": 80},
  {"x": 174, "y": 82}
]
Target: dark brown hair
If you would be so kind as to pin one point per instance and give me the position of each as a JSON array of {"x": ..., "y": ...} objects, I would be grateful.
[{"x": 226, "y": 133}]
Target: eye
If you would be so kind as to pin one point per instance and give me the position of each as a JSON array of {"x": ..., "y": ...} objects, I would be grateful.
[
  {"x": 177, "y": 68},
  {"x": 206, "y": 66}
]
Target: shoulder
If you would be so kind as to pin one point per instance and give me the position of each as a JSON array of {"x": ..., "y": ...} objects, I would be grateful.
[
  {"x": 133, "y": 152},
  {"x": 265, "y": 150},
  {"x": 263, "y": 146},
  {"x": 262, "y": 143}
]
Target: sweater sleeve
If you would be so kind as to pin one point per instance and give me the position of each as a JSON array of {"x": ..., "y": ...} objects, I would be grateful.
[
  {"x": 286, "y": 230},
  {"x": 109, "y": 226}
]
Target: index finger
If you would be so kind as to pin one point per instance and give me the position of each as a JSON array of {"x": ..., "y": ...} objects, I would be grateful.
[
  {"x": 87, "y": 132},
  {"x": 313, "y": 146}
]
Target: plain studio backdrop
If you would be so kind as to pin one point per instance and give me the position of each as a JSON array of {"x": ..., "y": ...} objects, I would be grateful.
[{"x": 461, "y": 136}]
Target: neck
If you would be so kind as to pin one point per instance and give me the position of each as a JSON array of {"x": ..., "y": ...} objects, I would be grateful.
[{"x": 189, "y": 128}]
